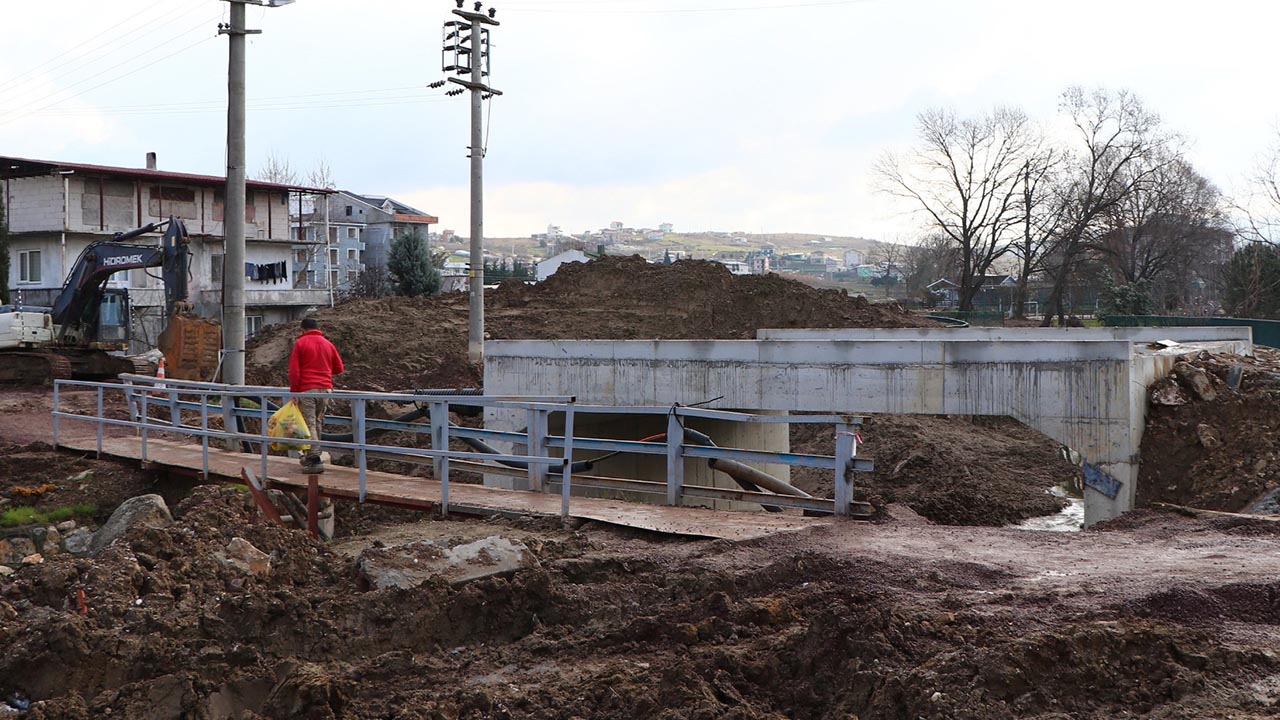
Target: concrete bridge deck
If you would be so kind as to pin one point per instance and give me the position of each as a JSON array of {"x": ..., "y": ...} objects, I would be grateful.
[{"x": 424, "y": 494}]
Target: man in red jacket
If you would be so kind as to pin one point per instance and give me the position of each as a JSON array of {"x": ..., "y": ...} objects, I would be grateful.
[{"x": 312, "y": 365}]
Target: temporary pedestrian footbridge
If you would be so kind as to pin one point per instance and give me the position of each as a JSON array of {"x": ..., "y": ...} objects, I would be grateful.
[{"x": 188, "y": 426}]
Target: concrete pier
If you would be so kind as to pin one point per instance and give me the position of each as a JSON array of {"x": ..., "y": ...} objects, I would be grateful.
[{"x": 1087, "y": 392}]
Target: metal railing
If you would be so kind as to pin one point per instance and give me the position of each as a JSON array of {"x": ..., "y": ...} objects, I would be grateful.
[{"x": 170, "y": 406}]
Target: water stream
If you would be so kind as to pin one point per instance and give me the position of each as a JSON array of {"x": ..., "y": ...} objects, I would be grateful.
[{"x": 1070, "y": 519}]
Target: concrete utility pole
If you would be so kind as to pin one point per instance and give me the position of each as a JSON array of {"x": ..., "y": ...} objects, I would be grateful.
[
  {"x": 233, "y": 329},
  {"x": 470, "y": 46}
]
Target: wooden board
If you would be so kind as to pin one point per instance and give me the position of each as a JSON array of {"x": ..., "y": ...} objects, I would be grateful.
[{"x": 404, "y": 491}]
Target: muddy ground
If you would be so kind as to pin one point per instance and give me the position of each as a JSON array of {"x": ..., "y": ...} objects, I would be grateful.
[{"x": 1161, "y": 616}]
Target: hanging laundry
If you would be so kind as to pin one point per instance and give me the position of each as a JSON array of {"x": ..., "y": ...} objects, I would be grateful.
[{"x": 251, "y": 270}]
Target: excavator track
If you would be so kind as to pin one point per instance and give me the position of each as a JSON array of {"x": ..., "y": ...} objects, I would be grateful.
[{"x": 34, "y": 367}]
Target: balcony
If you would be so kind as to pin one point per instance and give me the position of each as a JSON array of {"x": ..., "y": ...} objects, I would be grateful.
[{"x": 284, "y": 297}]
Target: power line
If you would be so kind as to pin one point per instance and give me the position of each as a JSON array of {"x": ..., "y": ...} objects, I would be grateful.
[
  {"x": 96, "y": 36},
  {"x": 374, "y": 94},
  {"x": 121, "y": 41},
  {"x": 354, "y": 103},
  {"x": 190, "y": 31},
  {"x": 105, "y": 82},
  {"x": 672, "y": 11}
]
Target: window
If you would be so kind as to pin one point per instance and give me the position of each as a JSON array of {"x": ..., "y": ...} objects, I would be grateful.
[
  {"x": 351, "y": 254},
  {"x": 252, "y": 324},
  {"x": 333, "y": 278},
  {"x": 29, "y": 266},
  {"x": 351, "y": 233},
  {"x": 333, "y": 234},
  {"x": 215, "y": 268},
  {"x": 348, "y": 211},
  {"x": 333, "y": 256},
  {"x": 351, "y": 276}
]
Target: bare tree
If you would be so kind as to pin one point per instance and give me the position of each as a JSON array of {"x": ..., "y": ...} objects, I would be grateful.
[
  {"x": 930, "y": 259},
  {"x": 277, "y": 170},
  {"x": 964, "y": 176},
  {"x": 321, "y": 176},
  {"x": 1117, "y": 149},
  {"x": 1038, "y": 218},
  {"x": 1163, "y": 223}
]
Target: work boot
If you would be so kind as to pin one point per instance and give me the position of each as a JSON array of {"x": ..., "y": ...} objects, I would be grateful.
[{"x": 312, "y": 465}]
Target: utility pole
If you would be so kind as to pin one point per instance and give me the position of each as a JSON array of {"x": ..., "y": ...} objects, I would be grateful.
[
  {"x": 233, "y": 330},
  {"x": 466, "y": 53}
]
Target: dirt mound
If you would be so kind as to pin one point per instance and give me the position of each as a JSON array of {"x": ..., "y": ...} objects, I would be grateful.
[
  {"x": 396, "y": 343},
  {"x": 1219, "y": 447},
  {"x": 951, "y": 470}
]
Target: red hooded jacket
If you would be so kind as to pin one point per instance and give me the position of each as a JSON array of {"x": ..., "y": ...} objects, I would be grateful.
[{"x": 313, "y": 362}]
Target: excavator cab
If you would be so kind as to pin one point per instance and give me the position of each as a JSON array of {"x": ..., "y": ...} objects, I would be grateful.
[{"x": 113, "y": 320}]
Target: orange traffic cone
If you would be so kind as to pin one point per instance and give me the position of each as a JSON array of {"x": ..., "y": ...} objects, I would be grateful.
[{"x": 160, "y": 368}]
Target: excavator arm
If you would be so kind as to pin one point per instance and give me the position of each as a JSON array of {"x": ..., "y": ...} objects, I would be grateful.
[{"x": 75, "y": 311}]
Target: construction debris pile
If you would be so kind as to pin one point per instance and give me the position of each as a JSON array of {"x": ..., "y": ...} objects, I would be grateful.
[
  {"x": 398, "y": 342},
  {"x": 1213, "y": 434}
]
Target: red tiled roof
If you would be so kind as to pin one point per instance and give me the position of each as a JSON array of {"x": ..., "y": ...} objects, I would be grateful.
[{"x": 402, "y": 217}]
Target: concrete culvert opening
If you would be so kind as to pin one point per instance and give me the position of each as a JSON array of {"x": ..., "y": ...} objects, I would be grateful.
[{"x": 952, "y": 470}]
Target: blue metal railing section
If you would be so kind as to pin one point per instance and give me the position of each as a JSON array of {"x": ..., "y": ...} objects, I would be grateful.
[{"x": 146, "y": 395}]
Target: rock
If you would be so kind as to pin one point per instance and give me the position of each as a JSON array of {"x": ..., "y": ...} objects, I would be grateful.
[
  {"x": 141, "y": 511},
  {"x": 1208, "y": 436},
  {"x": 33, "y": 559},
  {"x": 13, "y": 549},
  {"x": 78, "y": 542},
  {"x": 412, "y": 564},
  {"x": 6, "y": 571},
  {"x": 1168, "y": 392},
  {"x": 1196, "y": 380},
  {"x": 242, "y": 555},
  {"x": 66, "y": 526},
  {"x": 52, "y": 541}
]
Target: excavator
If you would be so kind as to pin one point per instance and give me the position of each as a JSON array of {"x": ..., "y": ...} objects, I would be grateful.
[{"x": 86, "y": 331}]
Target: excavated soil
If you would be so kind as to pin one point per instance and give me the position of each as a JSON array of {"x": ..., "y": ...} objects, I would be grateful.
[
  {"x": 396, "y": 343},
  {"x": 36, "y": 475},
  {"x": 1219, "y": 454},
  {"x": 852, "y": 621},
  {"x": 951, "y": 470}
]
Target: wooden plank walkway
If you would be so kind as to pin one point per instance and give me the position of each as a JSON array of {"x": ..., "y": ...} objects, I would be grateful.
[{"x": 404, "y": 491}]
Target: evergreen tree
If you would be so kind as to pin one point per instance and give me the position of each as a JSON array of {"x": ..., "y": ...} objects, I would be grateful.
[
  {"x": 666, "y": 257},
  {"x": 411, "y": 268}
]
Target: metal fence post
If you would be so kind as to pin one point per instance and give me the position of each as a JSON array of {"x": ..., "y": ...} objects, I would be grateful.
[
  {"x": 844, "y": 458},
  {"x": 229, "y": 423},
  {"x": 204, "y": 435},
  {"x": 537, "y": 428},
  {"x": 439, "y": 421},
  {"x": 262, "y": 434},
  {"x": 357, "y": 416},
  {"x": 175, "y": 415},
  {"x": 675, "y": 459},
  {"x": 568, "y": 461},
  {"x": 145, "y": 416},
  {"x": 99, "y": 423},
  {"x": 57, "y": 408},
  {"x": 444, "y": 468}
]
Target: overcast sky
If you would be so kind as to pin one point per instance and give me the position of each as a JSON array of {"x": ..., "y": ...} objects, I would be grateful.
[{"x": 755, "y": 115}]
